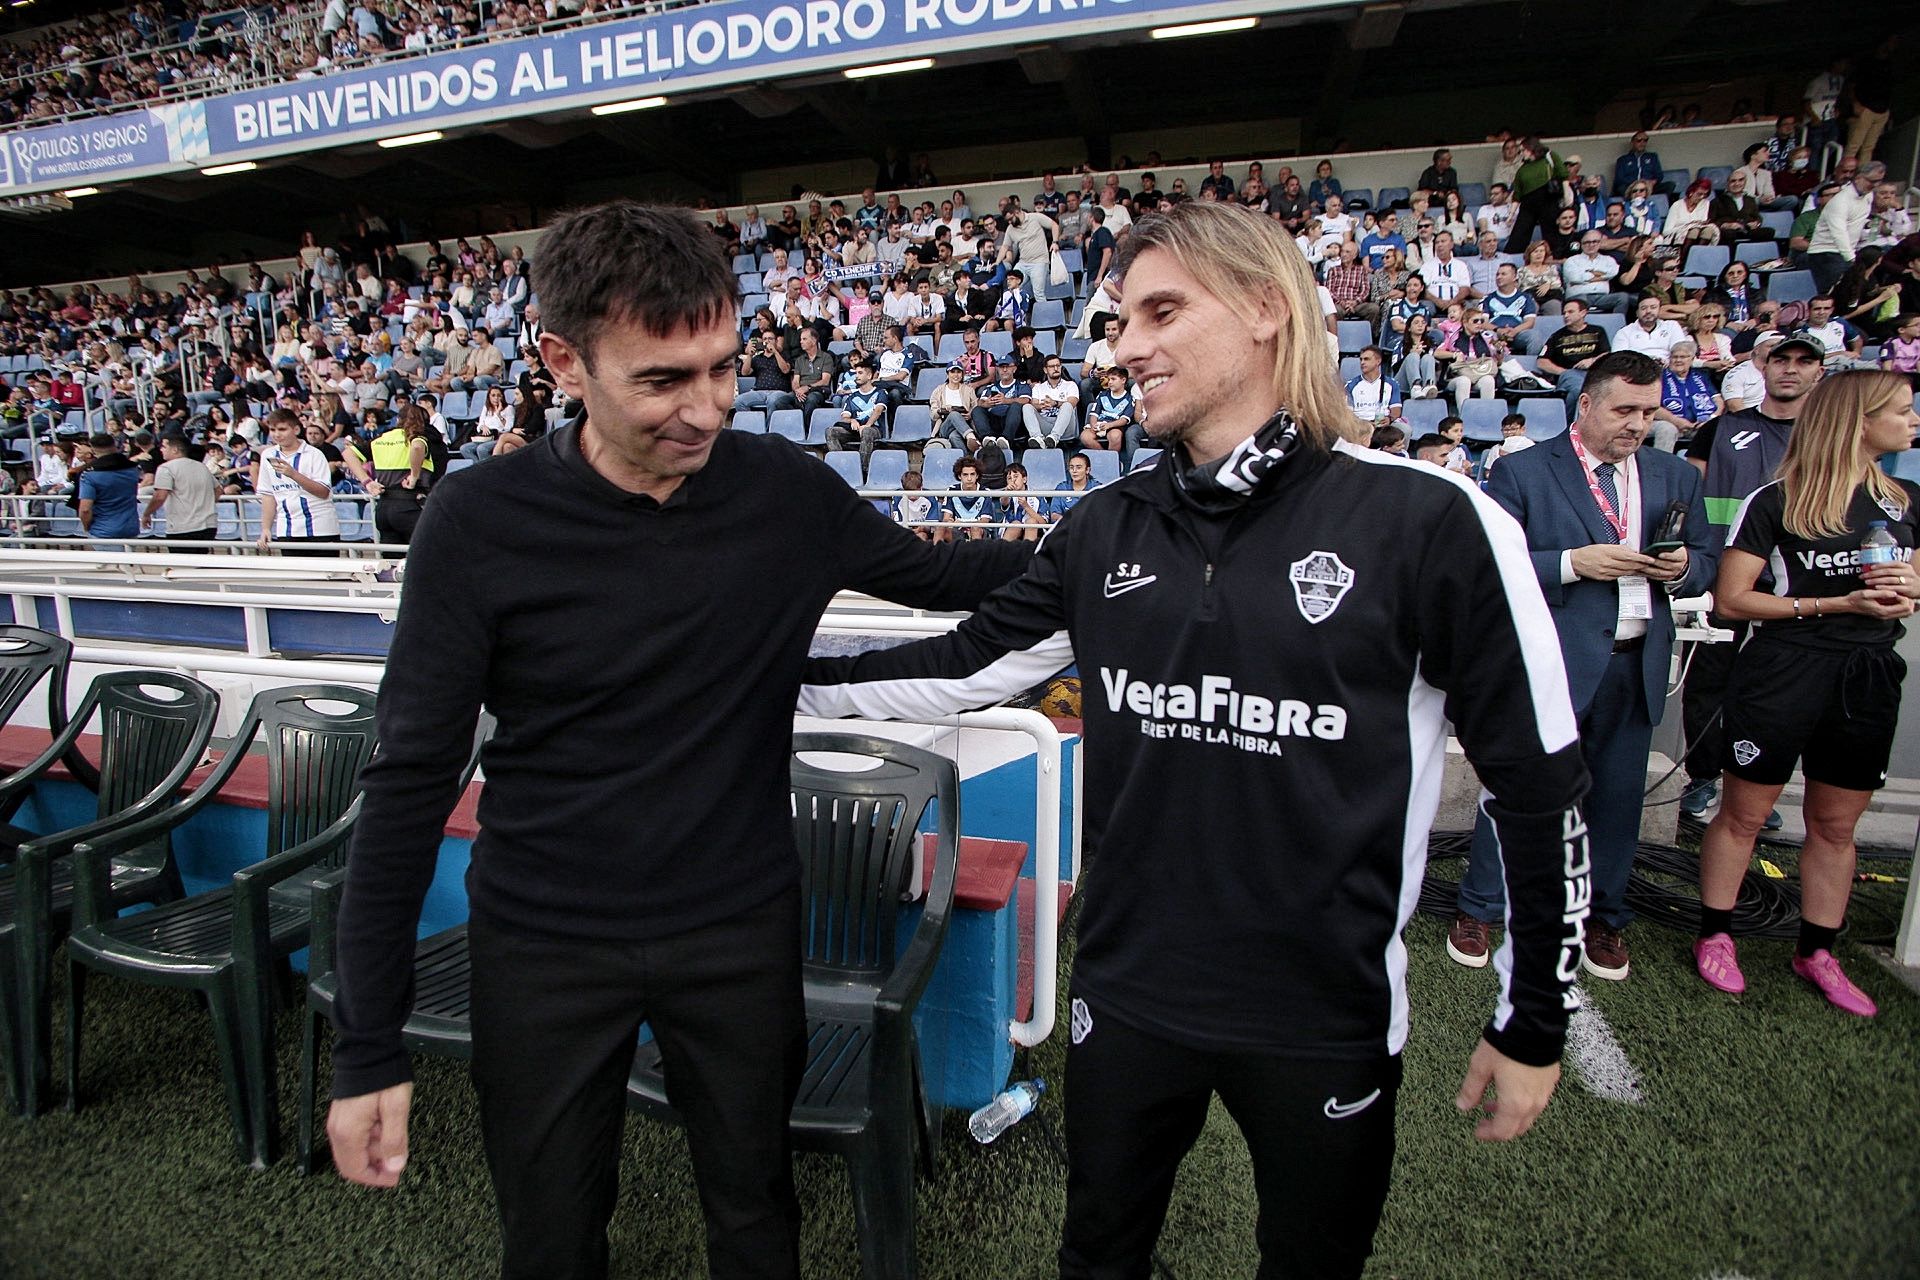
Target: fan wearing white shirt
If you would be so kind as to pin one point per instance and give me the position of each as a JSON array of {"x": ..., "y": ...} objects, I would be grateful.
[
  {"x": 1498, "y": 213},
  {"x": 1053, "y": 413},
  {"x": 295, "y": 485},
  {"x": 1649, "y": 334},
  {"x": 1373, "y": 397}
]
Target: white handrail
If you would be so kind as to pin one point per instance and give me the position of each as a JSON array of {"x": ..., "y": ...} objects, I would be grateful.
[{"x": 1047, "y": 868}]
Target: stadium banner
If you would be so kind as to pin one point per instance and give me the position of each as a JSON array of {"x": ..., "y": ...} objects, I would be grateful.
[{"x": 699, "y": 46}]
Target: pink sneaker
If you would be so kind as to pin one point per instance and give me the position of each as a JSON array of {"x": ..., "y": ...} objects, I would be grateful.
[
  {"x": 1713, "y": 955},
  {"x": 1823, "y": 971}
]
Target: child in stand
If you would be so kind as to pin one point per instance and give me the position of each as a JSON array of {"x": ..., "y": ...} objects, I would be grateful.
[
  {"x": 1453, "y": 430},
  {"x": 1513, "y": 438},
  {"x": 1025, "y": 514},
  {"x": 969, "y": 506},
  {"x": 1901, "y": 353},
  {"x": 912, "y": 507}
]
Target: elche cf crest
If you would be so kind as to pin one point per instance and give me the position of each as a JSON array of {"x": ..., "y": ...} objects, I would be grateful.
[{"x": 1320, "y": 582}]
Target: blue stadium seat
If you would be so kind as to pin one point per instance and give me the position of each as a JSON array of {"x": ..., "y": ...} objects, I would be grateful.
[
  {"x": 841, "y": 346},
  {"x": 1612, "y": 322},
  {"x": 752, "y": 283},
  {"x": 1105, "y": 464},
  {"x": 1391, "y": 196},
  {"x": 1790, "y": 286},
  {"x": 1693, "y": 284},
  {"x": 886, "y": 467},
  {"x": 1075, "y": 261},
  {"x": 1752, "y": 251},
  {"x": 1545, "y": 327},
  {"x": 1657, "y": 205},
  {"x": 1481, "y": 416},
  {"x": 457, "y": 406},
  {"x": 1677, "y": 179},
  {"x": 743, "y": 263},
  {"x": 823, "y": 417},
  {"x": 1354, "y": 334},
  {"x": 1778, "y": 221},
  {"x": 1145, "y": 457},
  {"x": 1074, "y": 351},
  {"x": 507, "y": 347},
  {"x": 1483, "y": 428},
  {"x": 766, "y": 262},
  {"x": 790, "y": 423},
  {"x": 1473, "y": 195},
  {"x": 936, "y": 469},
  {"x": 1358, "y": 198},
  {"x": 1546, "y": 418},
  {"x": 846, "y": 465},
  {"x": 1046, "y": 342},
  {"x": 911, "y": 423},
  {"x": 1717, "y": 174},
  {"x": 750, "y": 303},
  {"x": 1707, "y": 259},
  {"x": 927, "y": 380},
  {"x": 1045, "y": 468},
  {"x": 457, "y": 463},
  {"x": 749, "y": 420},
  {"x": 1049, "y": 315},
  {"x": 1422, "y": 416},
  {"x": 952, "y": 345},
  {"x": 1079, "y": 310},
  {"x": 1349, "y": 368},
  {"x": 999, "y": 342}
]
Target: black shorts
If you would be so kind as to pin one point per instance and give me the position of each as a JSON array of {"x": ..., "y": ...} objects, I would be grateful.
[{"x": 1833, "y": 712}]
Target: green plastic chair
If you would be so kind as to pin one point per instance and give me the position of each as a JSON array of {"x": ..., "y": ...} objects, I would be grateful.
[
  {"x": 231, "y": 944},
  {"x": 863, "y": 1094},
  {"x": 154, "y": 729},
  {"x": 438, "y": 1023}
]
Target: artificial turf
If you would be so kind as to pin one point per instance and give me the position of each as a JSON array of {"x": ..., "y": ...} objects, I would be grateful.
[{"x": 1777, "y": 1139}]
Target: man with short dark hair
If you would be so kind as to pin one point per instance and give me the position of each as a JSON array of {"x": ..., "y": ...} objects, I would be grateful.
[
  {"x": 108, "y": 492},
  {"x": 185, "y": 487},
  {"x": 1573, "y": 349},
  {"x": 999, "y": 417},
  {"x": 1592, "y": 505},
  {"x": 636, "y": 859}
]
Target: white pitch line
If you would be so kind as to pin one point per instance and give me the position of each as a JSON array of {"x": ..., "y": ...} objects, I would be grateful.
[{"x": 1598, "y": 1059}]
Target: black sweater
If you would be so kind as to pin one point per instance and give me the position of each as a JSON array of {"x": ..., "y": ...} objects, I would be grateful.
[
  {"x": 642, "y": 661},
  {"x": 1267, "y": 698}
]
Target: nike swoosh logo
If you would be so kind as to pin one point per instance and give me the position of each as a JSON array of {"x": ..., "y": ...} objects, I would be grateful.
[
  {"x": 1337, "y": 1110},
  {"x": 1121, "y": 588}
]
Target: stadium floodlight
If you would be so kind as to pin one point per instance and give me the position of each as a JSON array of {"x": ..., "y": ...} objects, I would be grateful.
[
  {"x": 631, "y": 104},
  {"x": 887, "y": 68},
  {"x": 74, "y": 193},
  {"x": 1221, "y": 27},
  {"x": 413, "y": 139},
  {"x": 221, "y": 170}
]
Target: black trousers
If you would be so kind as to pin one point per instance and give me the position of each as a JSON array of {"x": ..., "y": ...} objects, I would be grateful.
[
  {"x": 555, "y": 1023},
  {"x": 1704, "y": 695},
  {"x": 395, "y": 516},
  {"x": 1320, "y": 1132}
]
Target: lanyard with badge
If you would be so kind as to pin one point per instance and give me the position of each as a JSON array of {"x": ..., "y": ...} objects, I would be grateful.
[{"x": 1636, "y": 593}]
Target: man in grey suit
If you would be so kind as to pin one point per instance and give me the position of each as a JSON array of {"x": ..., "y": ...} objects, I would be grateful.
[{"x": 1593, "y": 504}]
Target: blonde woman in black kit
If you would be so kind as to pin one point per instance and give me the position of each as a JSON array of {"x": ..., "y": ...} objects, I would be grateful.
[{"x": 1817, "y": 682}]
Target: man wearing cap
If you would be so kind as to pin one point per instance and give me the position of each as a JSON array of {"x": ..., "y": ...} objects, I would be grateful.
[
  {"x": 1737, "y": 453},
  {"x": 999, "y": 417}
]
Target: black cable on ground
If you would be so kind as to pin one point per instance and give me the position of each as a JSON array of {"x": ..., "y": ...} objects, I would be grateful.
[{"x": 1767, "y": 908}]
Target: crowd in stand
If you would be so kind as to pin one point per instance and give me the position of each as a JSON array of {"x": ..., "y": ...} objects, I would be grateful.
[
  {"x": 1463, "y": 290},
  {"x": 167, "y": 48}
]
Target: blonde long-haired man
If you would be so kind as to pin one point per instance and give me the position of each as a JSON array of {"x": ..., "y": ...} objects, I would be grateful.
[{"x": 1273, "y": 626}]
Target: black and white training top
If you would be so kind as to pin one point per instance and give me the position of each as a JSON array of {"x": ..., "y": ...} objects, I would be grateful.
[
  {"x": 1824, "y": 567},
  {"x": 1267, "y": 692}
]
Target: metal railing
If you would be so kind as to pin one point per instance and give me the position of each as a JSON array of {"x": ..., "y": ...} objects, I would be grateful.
[{"x": 129, "y": 577}]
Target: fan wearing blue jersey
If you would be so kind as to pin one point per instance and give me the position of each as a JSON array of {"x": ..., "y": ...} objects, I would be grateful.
[{"x": 295, "y": 484}]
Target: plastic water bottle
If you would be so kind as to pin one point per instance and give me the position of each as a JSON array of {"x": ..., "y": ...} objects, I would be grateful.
[
  {"x": 1878, "y": 547},
  {"x": 1006, "y": 1110}
]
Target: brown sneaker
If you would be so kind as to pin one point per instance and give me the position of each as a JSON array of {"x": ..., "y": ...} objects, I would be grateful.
[
  {"x": 1468, "y": 941},
  {"x": 1606, "y": 955}
]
